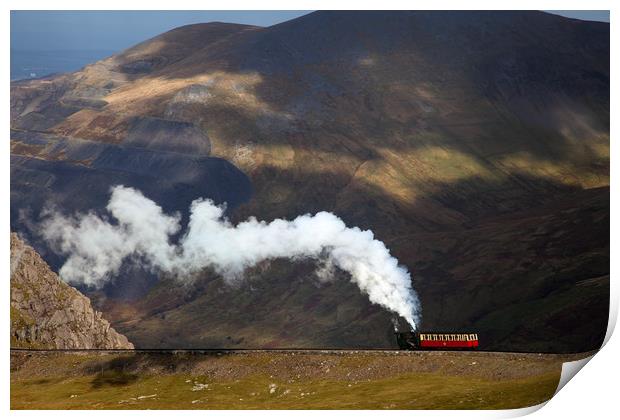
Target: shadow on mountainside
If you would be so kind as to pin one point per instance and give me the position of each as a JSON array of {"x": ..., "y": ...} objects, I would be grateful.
[{"x": 529, "y": 275}]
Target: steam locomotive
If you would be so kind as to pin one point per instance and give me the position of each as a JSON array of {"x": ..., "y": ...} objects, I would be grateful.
[{"x": 410, "y": 340}]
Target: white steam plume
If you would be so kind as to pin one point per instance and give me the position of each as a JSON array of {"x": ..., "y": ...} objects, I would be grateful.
[{"x": 97, "y": 248}]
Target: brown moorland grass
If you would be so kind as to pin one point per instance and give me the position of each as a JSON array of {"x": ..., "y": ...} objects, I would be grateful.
[{"x": 282, "y": 380}]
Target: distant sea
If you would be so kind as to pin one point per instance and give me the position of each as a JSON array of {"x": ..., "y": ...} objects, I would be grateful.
[{"x": 35, "y": 64}]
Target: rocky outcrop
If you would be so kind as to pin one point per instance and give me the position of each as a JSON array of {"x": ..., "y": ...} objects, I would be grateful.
[{"x": 48, "y": 313}]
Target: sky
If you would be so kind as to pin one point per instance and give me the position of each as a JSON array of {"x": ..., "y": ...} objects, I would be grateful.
[
  {"x": 596, "y": 15},
  {"x": 117, "y": 30}
]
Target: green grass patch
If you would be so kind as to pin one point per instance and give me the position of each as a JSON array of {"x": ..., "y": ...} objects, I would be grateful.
[{"x": 118, "y": 390}]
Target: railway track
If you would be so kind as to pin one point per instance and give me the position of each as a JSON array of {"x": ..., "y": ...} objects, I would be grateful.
[{"x": 304, "y": 351}]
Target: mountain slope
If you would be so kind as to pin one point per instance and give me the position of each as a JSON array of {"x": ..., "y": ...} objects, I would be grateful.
[
  {"x": 47, "y": 313},
  {"x": 452, "y": 135}
]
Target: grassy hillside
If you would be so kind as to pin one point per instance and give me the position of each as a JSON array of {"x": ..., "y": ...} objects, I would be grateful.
[{"x": 279, "y": 380}]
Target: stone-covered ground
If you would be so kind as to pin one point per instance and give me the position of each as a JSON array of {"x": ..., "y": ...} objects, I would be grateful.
[{"x": 282, "y": 380}]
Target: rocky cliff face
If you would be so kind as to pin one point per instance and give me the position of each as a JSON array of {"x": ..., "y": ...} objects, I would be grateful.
[{"x": 47, "y": 313}]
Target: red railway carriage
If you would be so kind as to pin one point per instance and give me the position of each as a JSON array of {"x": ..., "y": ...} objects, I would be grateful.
[
  {"x": 453, "y": 341},
  {"x": 436, "y": 341}
]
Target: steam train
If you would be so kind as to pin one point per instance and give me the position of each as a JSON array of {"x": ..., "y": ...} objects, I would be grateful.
[{"x": 410, "y": 340}]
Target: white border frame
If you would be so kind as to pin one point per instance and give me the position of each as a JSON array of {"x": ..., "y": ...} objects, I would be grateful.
[{"x": 591, "y": 395}]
